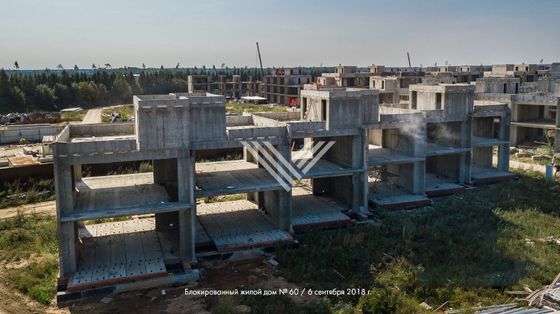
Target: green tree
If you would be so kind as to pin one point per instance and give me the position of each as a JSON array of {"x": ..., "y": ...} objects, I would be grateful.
[
  {"x": 4, "y": 84},
  {"x": 63, "y": 95},
  {"x": 136, "y": 88},
  {"x": 89, "y": 93},
  {"x": 178, "y": 85},
  {"x": 45, "y": 97},
  {"x": 18, "y": 97},
  {"x": 121, "y": 92}
]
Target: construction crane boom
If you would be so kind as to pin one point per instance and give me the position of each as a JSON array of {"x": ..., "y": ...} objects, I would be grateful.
[
  {"x": 409, "y": 64},
  {"x": 260, "y": 60}
]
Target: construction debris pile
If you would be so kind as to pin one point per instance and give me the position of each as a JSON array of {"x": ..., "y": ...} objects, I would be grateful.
[
  {"x": 539, "y": 153},
  {"x": 548, "y": 296},
  {"x": 28, "y": 118}
]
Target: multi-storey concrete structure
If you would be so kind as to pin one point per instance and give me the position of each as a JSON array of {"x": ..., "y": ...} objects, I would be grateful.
[
  {"x": 393, "y": 89},
  {"x": 230, "y": 87},
  {"x": 345, "y": 76},
  {"x": 533, "y": 104},
  {"x": 365, "y": 154},
  {"x": 525, "y": 72},
  {"x": 283, "y": 86},
  {"x": 469, "y": 73}
]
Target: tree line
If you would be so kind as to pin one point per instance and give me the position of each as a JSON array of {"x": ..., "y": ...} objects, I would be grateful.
[{"x": 52, "y": 90}]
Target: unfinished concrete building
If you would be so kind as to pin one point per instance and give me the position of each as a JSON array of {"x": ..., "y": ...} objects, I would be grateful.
[
  {"x": 525, "y": 72},
  {"x": 469, "y": 73},
  {"x": 434, "y": 139},
  {"x": 394, "y": 89},
  {"x": 382, "y": 70},
  {"x": 232, "y": 87},
  {"x": 283, "y": 86},
  {"x": 533, "y": 104},
  {"x": 320, "y": 167},
  {"x": 198, "y": 83},
  {"x": 345, "y": 76},
  {"x": 549, "y": 82}
]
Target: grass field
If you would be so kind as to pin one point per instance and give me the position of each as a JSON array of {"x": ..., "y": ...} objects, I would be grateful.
[
  {"x": 465, "y": 250},
  {"x": 28, "y": 254},
  {"x": 29, "y": 191},
  {"x": 239, "y": 108},
  {"x": 126, "y": 112},
  {"x": 73, "y": 115}
]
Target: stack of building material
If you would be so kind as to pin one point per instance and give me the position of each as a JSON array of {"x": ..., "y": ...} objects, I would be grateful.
[
  {"x": 548, "y": 296},
  {"x": 22, "y": 161}
]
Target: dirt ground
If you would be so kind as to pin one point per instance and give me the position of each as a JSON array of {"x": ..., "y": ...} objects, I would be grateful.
[
  {"x": 12, "y": 301},
  {"x": 46, "y": 208},
  {"x": 251, "y": 270},
  {"x": 93, "y": 116}
]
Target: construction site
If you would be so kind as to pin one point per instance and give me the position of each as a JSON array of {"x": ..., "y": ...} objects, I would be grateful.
[
  {"x": 146, "y": 203},
  {"x": 248, "y": 157},
  {"x": 328, "y": 165}
]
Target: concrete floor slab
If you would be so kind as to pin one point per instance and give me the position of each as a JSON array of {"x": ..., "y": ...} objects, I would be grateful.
[
  {"x": 325, "y": 168},
  {"x": 120, "y": 195},
  {"x": 310, "y": 211},
  {"x": 237, "y": 225},
  {"x": 102, "y": 138},
  {"x": 484, "y": 141},
  {"x": 435, "y": 149},
  {"x": 399, "y": 200},
  {"x": 383, "y": 156},
  {"x": 437, "y": 185},
  {"x": 487, "y": 175},
  {"x": 539, "y": 124},
  {"x": 389, "y": 195},
  {"x": 232, "y": 177},
  {"x": 118, "y": 252}
]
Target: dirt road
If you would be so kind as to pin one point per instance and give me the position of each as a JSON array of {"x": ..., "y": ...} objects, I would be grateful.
[
  {"x": 45, "y": 208},
  {"x": 523, "y": 165},
  {"x": 93, "y": 116}
]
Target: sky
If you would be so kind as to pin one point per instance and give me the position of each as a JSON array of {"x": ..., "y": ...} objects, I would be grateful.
[{"x": 42, "y": 34}]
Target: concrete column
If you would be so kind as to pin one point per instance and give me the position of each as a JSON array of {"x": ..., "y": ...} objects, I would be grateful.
[
  {"x": 65, "y": 203},
  {"x": 77, "y": 168},
  {"x": 419, "y": 177},
  {"x": 465, "y": 158},
  {"x": 284, "y": 201},
  {"x": 466, "y": 132},
  {"x": 278, "y": 204},
  {"x": 514, "y": 139},
  {"x": 359, "y": 180},
  {"x": 514, "y": 130},
  {"x": 503, "y": 150},
  {"x": 419, "y": 140},
  {"x": 67, "y": 248},
  {"x": 247, "y": 156},
  {"x": 557, "y": 136},
  {"x": 464, "y": 168},
  {"x": 165, "y": 174},
  {"x": 285, "y": 213},
  {"x": 187, "y": 226},
  {"x": 503, "y": 157}
]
